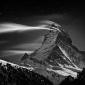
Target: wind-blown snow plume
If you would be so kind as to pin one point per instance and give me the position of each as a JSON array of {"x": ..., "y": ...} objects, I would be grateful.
[{"x": 12, "y": 27}]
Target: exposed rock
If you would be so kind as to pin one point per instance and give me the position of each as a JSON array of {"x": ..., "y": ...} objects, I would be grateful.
[{"x": 57, "y": 55}]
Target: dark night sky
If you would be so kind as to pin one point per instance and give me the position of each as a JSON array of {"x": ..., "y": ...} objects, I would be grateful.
[
  {"x": 34, "y": 7},
  {"x": 71, "y": 15}
]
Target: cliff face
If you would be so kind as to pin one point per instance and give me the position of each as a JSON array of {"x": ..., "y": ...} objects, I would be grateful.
[{"x": 56, "y": 55}]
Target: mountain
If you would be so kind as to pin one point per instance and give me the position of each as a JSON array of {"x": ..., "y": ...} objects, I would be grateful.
[
  {"x": 57, "y": 55},
  {"x": 55, "y": 62}
]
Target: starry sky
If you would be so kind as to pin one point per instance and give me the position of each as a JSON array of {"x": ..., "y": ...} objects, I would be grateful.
[{"x": 70, "y": 15}]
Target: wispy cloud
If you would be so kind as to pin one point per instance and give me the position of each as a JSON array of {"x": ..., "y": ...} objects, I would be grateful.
[
  {"x": 16, "y": 52},
  {"x": 12, "y": 27},
  {"x": 27, "y": 46},
  {"x": 3, "y": 42}
]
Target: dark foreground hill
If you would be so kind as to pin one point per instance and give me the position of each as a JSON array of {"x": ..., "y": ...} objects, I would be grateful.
[{"x": 13, "y": 75}]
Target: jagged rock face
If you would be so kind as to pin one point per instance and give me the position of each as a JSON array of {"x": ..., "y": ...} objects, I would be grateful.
[
  {"x": 57, "y": 45},
  {"x": 57, "y": 55}
]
